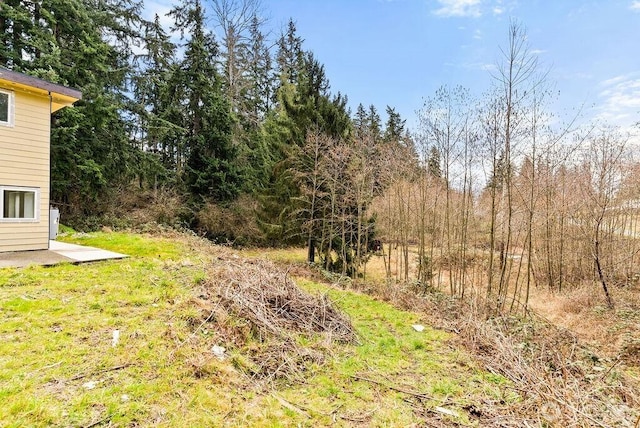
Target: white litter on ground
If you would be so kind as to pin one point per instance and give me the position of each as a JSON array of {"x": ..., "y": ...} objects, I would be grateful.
[{"x": 218, "y": 351}]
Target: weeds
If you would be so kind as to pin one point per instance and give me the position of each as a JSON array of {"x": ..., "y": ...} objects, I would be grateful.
[
  {"x": 548, "y": 377},
  {"x": 172, "y": 301},
  {"x": 560, "y": 381}
]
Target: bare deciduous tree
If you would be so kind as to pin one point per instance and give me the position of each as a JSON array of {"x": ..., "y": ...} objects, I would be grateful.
[{"x": 235, "y": 19}]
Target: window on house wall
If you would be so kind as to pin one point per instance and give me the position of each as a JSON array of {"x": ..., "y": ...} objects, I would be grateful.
[
  {"x": 19, "y": 203},
  {"x": 6, "y": 108}
]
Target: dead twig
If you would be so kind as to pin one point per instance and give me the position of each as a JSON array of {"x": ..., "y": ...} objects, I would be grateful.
[
  {"x": 98, "y": 422},
  {"x": 360, "y": 418},
  {"x": 50, "y": 366},
  {"x": 291, "y": 406},
  {"x": 605, "y": 374},
  {"x": 110, "y": 369},
  {"x": 395, "y": 388}
]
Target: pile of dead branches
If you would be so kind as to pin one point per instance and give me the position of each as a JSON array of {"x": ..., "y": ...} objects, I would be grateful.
[
  {"x": 559, "y": 381},
  {"x": 278, "y": 312}
]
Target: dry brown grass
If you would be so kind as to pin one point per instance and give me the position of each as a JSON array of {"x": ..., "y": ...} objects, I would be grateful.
[
  {"x": 561, "y": 382},
  {"x": 614, "y": 334},
  {"x": 568, "y": 363},
  {"x": 235, "y": 223},
  {"x": 580, "y": 310},
  {"x": 141, "y": 207}
]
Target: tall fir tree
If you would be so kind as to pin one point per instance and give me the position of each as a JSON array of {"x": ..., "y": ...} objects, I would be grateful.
[
  {"x": 374, "y": 124},
  {"x": 155, "y": 110},
  {"x": 434, "y": 167},
  {"x": 290, "y": 56},
  {"x": 211, "y": 171},
  {"x": 256, "y": 97},
  {"x": 259, "y": 93},
  {"x": 395, "y": 127},
  {"x": 360, "y": 127},
  {"x": 303, "y": 103}
]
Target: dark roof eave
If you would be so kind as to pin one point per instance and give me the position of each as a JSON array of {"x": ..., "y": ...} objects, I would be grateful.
[{"x": 35, "y": 82}]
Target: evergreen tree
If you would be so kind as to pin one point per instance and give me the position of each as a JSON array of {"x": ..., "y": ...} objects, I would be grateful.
[
  {"x": 210, "y": 170},
  {"x": 86, "y": 45},
  {"x": 257, "y": 96},
  {"x": 434, "y": 162},
  {"x": 289, "y": 58},
  {"x": 156, "y": 133},
  {"x": 360, "y": 122},
  {"x": 16, "y": 24},
  {"x": 374, "y": 124},
  {"x": 394, "y": 128},
  {"x": 259, "y": 93},
  {"x": 303, "y": 103}
]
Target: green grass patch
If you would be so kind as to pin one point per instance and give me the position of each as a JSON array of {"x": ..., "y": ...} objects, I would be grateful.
[
  {"x": 366, "y": 380},
  {"x": 59, "y": 367}
]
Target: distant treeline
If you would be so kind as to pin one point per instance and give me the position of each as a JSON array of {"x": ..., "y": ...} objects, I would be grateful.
[{"x": 239, "y": 138}]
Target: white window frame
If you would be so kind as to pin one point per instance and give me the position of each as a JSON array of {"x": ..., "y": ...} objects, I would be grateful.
[
  {"x": 10, "y": 107},
  {"x": 36, "y": 202}
]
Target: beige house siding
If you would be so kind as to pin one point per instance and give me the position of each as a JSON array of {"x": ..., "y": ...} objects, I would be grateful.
[{"x": 24, "y": 162}]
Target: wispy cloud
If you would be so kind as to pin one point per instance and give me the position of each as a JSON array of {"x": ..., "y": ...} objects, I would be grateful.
[
  {"x": 498, "y": 8},
  {"x": 459, "y": 8},
  {"x": 483, "y": 66},
  {"x": 635, "y": 5},
  {"x": 620, "y": 99},
  {"x": 474, "y": 8}
]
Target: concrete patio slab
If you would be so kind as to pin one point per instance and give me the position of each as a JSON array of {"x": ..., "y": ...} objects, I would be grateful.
[{"x": 58, "y": 252}]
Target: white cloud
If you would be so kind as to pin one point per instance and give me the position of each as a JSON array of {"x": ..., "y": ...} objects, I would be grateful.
[
  {"x": 483, "y": 66},
  {"x": 620, "y": 99},
  {"x": 635, "y": 5},
  {"x": 613, "y": 81},
  {"x": 459, "y": 8}
]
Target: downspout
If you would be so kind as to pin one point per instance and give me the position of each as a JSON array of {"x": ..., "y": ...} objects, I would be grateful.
[{"x": 49, "y": 180}]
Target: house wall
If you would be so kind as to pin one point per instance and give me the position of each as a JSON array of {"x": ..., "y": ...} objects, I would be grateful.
[{"x": 24, "y": 162}]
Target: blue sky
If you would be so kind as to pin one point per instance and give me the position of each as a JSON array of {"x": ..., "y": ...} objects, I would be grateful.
[{"x": 398, "y": 52}]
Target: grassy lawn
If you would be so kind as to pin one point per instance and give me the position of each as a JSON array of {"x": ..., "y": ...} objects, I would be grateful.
[{"x": 59, "y": 365}]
